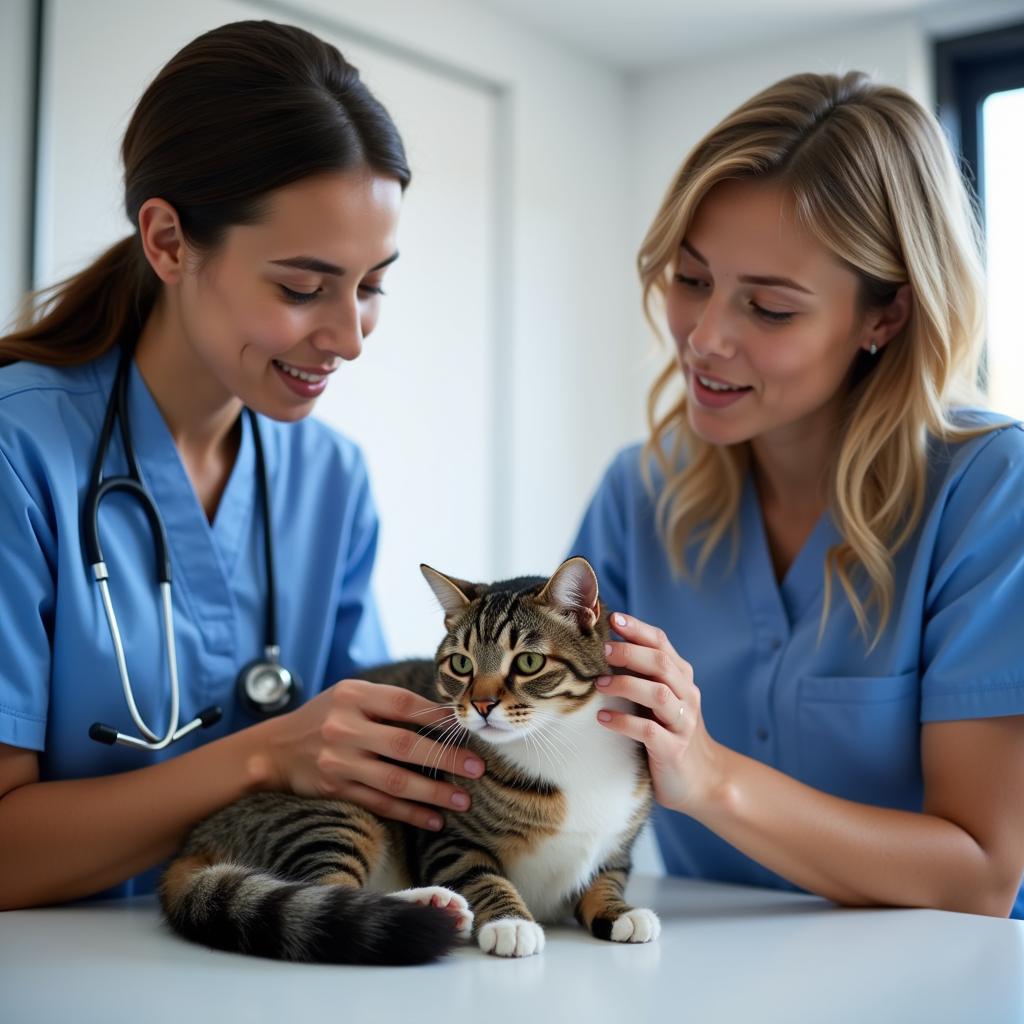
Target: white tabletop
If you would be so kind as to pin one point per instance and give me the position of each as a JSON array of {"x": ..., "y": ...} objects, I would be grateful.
[{"x": 726, "y": 953}]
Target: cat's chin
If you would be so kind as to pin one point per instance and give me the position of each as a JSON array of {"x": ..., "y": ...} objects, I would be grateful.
[{"x": 496, "y": 734}]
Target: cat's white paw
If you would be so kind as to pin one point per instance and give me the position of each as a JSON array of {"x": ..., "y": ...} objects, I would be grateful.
[
  {"x": 636, "y": 926},
  {"x": 446, "y": 899},
  {"x": 511, "y": 936}
]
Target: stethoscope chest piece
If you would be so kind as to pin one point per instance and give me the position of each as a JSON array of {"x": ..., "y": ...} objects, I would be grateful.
[{"x": 265, "y": 687}]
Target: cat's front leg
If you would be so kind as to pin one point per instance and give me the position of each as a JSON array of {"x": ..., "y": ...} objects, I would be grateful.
[
  {"x": 502, "y": 924},
  {"x": 603, "y": 911}
]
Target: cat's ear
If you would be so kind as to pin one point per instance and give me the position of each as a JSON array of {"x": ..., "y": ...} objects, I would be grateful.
[
  {"x": 573, "y": 591},
  {"x": 455, "y": 595}
]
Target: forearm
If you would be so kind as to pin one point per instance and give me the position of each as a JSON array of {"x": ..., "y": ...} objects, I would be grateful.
[
  {"x": 852, "y": 853},
  {"x": 64, "y": 840}
]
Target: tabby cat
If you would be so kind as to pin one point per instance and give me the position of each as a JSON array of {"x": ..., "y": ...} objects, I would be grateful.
[{"x": 550, "y": 830}]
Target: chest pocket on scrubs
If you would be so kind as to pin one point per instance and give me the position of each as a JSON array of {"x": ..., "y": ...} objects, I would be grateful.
[{"x": 860, "y": 737}]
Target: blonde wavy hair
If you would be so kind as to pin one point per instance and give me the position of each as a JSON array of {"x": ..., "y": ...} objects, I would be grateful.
[{"x": 873, "y": 179}]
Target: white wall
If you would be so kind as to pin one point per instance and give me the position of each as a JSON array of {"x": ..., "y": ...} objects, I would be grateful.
[
  {"x": 955, "y": 18},
  {"x": 16, "y": 39},
  {"x": 672, "y": 108},
  {"x": 565, "y": 303}
]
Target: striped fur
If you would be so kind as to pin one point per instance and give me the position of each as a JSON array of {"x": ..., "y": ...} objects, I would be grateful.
[
  {"x": 282, "y": 876},
  {"x": 549, "y": 832}
]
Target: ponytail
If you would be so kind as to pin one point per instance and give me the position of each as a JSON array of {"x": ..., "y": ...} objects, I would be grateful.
[{"x": 83, "y": 316}]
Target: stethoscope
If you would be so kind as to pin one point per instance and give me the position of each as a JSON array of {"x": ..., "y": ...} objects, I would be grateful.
[{"x": 264, "y": 687}]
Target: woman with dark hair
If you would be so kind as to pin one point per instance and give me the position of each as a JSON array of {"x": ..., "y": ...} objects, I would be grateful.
[{"x": 264, "y": 183}]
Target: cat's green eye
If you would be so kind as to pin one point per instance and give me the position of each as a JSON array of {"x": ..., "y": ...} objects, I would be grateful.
[
  {"x": 460, "y": 664},
  {"x": 530, "y": 663}
]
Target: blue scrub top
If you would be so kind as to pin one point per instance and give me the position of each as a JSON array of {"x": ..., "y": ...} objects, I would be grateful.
[
  {"x": 57, "y": 669},
  {"x": 833, "y": 716}
]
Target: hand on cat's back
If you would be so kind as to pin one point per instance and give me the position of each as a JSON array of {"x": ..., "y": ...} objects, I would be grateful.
[
  {"x": 333, "y": 746},
  {"x": 680, "y": 752}
]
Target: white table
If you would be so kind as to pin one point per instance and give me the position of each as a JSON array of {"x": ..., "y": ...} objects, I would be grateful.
[{"x": 726, "y": 953}]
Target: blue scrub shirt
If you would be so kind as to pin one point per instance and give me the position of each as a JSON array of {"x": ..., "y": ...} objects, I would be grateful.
[
  {"x": 831, "y": 715},
  {"x": 57, "y": 669}
]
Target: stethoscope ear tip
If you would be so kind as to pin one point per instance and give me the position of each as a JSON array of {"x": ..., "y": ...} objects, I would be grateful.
[
  {"x": 210, "y": 716},
  {"x": 103, "y": 733}
]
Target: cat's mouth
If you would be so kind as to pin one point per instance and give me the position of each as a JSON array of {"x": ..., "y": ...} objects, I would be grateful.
[{"x": 494, "y": 732}]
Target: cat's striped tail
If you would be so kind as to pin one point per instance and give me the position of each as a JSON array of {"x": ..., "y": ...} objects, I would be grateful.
[{"x": 241, "y": 910}]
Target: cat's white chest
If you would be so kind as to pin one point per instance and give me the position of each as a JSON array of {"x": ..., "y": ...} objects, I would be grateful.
[{"x": 598, "y": 780}]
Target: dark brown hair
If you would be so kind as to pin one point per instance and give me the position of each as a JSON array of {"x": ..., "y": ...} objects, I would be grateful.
[{"x": 240, "y": 111}]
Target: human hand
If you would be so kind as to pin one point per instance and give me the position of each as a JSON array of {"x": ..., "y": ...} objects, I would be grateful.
[
  {"x": 680, "y": 752},
  {"x": 334, "y": 745}
]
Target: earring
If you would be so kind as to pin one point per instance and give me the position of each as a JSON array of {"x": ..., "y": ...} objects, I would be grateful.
[{"x": 874, "y": 349}]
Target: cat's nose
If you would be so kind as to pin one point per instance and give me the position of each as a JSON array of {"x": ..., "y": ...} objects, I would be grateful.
[{"x": 484, "y": 706}]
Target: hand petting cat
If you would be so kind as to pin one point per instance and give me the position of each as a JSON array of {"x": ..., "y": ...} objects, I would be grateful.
[
  {"x": 335, "y": 746},
  {"x": 680, "y": 753}
]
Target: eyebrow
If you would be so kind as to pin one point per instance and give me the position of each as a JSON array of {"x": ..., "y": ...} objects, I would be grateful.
[
  {"x": 322, "y": 267},
  {"x": 767, "y": 281}
]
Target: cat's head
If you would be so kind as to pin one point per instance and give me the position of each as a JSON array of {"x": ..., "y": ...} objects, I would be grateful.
[{"x": 519, "y": 655}]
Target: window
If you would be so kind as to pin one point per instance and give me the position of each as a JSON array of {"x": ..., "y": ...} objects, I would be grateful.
[{"x": 981, "y": 100}]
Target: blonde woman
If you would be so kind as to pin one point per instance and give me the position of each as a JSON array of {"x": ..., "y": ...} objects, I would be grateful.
[{"x": 816, "y": 562}]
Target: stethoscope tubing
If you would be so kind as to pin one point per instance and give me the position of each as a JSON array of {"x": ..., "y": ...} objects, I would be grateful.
[
  {"x": 133, "y": 485},
  {"x": 122, "y": 666}
]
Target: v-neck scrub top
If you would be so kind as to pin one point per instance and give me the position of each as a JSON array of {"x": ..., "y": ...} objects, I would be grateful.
[
  {"x": 832, "y": 715},
  {"x": 58, "y": 674}
]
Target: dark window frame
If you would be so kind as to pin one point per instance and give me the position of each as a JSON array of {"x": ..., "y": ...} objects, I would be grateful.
[{"x": 968, "y": 69}]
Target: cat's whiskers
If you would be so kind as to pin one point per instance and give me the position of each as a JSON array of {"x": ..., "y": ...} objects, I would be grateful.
[
  {"x": 437, "y": 737},
  {"x": 549, "y": 721},
  {"x": 540, "y": 746},
  {"x": 556, "y": 755},
  {"x": 531, "y": 742},
  {"x": 559, "y": 737},
  {"x": 450, "y": 730},
  {"x": 448, "y": 739},
  {"x": 432, "y": 711},
  {"x": 424, "y": 731},
  {"x": 565, "y": 737},
  {"x": 442, "y": 723},
  {"x": 542, "y": 743}
]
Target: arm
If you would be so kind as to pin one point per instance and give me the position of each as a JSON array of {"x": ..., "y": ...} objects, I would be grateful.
[
  {"x": 63, "y": 840},
  {"x": 964, "y": 851},
  {"x": 67, "y": 839}
]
